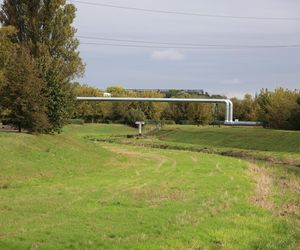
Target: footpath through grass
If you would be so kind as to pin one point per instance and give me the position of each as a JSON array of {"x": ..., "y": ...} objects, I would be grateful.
[{"x": 67, "y": 192}]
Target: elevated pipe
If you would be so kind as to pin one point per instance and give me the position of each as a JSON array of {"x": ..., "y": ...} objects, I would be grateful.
[
  {"x": 230, "y": 118},
  {"x": 228, "y": 111}
]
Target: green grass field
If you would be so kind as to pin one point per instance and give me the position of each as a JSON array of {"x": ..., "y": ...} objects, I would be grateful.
[
  {"x": 236, "y": 137},
  {"x": 69, "y": 192}
]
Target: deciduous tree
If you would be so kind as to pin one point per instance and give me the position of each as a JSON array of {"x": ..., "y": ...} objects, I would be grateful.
[
  {"x": 20, "y": 91},
  {"x": 45, "y": 28}
]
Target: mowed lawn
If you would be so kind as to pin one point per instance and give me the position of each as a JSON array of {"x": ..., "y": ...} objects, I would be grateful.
[{"x": 67, "y": 192}]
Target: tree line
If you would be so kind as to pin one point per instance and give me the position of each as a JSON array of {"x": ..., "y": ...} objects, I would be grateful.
[{"x": 279, "y": 109}]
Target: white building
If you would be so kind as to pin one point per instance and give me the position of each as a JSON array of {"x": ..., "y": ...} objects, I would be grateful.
[{"x": 106, "y": 94}]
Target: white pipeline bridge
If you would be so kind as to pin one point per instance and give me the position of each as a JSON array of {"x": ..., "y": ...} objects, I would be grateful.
[{"x": 228, "y": 120}]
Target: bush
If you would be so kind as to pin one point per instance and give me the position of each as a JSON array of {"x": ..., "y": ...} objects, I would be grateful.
[
  {"x": 168, "y": 122},
  {"x": 187, "y": 122},
  {"x": 134, "y": 115},
  {"x": 5, "y": 122},
  {"x": 76, "y": 121}
]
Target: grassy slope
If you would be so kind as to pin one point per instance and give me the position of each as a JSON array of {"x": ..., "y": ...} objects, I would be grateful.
[
  {"x": 243, "y": 138},
  {"x": 64, "y": 191}
]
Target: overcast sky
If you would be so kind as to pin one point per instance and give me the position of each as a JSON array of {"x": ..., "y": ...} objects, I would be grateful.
[{"x": 230, "y": 72}]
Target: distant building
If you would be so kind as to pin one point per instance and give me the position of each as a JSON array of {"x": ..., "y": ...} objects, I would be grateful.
[
  {"x": 106, "y": 94},
  {"x": 163, "y": 91}
]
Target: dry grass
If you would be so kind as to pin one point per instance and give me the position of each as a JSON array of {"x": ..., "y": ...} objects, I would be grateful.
[
  {"x": 187, "y": 218},
  {"x": 194, "y": 159},
  {"x": 290, "y": 184},
  {"x": 263, "y": 186},
  {"x": 292, "y": 207}
]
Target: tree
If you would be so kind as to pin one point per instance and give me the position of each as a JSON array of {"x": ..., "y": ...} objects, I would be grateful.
[
  {"x": 200, "y": 114},
  {"x": 116, "y": 91},
  {"x": 295, "y": 117},
  {"x": 7, "y": 50},
  {"x": 45, "y": 28},
  {"x": 245, "y": 109},
  {"x": 89, "y": 111},
  {"x": 20, "y": 93},
  {"x": 134, "y": 115},
  {"x": 275, "y": 109},
  {"x": 178, "y": 112}
]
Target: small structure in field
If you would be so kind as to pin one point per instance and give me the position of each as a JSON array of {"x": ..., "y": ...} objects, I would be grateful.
[
  {"x": 140, "y": 124},
  {"x": 107, "y": 94}
]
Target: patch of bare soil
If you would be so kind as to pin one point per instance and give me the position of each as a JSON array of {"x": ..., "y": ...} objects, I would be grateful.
[
  {"x": 11, "y": 129},
  {"x": 7, "y": 128}
]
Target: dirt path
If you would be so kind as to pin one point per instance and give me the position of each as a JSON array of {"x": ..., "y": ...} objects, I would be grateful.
[
  {"x": 241, "y": 154},
  {"x": 161, "y": 159}
]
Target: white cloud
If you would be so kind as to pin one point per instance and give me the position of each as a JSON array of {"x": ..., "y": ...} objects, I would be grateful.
[
  {"x": 234, "y": 81},
  {"x": 169, "y": 55}
]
